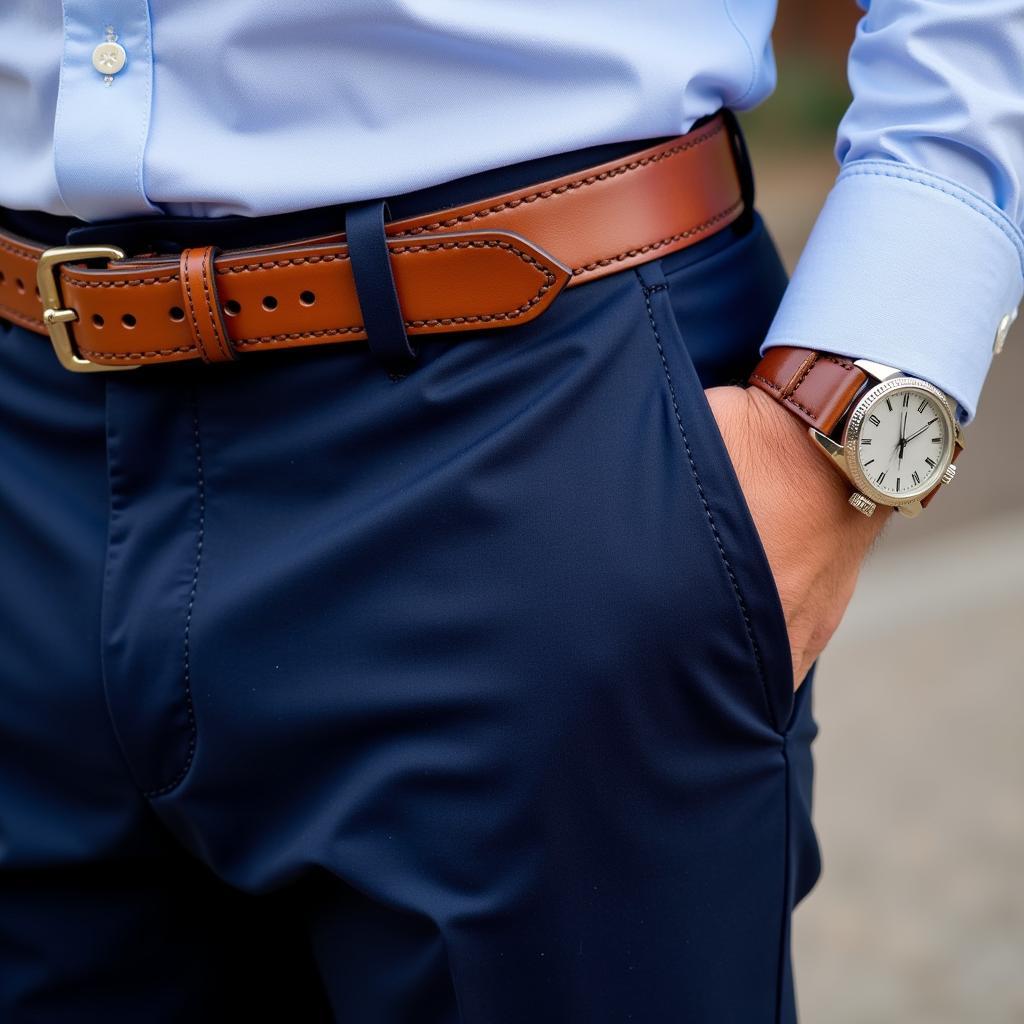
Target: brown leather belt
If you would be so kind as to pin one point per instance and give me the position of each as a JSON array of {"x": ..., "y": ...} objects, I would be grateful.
[{"x": 496, "y": 263}]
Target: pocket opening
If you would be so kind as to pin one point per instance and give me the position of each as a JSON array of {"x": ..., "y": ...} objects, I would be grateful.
[{"x": 725, "y": 506}]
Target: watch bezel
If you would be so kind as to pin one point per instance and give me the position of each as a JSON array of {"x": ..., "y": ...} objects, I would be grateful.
[{"x": 852, "y": 431}]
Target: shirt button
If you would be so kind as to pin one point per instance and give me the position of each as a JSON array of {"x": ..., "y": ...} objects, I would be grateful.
[{"x": 108, "y": 58}]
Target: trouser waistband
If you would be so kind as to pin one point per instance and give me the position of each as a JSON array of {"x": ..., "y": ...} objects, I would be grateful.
[{"x": 452, "y": 261}]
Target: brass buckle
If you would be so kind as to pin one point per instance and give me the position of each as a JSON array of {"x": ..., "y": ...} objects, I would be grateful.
[{"x": 55, "y": 316}]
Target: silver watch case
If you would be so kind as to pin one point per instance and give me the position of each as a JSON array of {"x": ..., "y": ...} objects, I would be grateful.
[{"x": 866, "y": 496}]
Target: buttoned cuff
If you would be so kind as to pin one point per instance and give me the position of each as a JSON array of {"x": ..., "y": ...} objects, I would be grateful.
[{"x": 908, "y": 269}]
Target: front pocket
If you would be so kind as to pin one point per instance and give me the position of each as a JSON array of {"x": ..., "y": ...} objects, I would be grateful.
[{"x": 725, "y": 507}]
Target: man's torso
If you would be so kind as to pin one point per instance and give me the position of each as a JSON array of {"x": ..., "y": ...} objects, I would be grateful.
[{"x": 260, "y": 108}]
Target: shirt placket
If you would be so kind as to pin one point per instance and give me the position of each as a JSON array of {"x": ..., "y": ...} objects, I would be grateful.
[{"x": 103, "y": 108}]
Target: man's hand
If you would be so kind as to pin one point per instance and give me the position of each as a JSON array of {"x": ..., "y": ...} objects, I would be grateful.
[{"x": 814, "y": 540}]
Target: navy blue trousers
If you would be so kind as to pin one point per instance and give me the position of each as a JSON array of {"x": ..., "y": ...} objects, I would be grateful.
[{"x": 328, "y": 693}]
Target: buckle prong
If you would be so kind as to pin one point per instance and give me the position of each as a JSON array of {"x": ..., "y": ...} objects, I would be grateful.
[{"x": 55, "y": 316}]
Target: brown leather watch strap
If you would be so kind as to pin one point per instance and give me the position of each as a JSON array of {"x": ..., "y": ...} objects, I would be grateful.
[
  {"x": 817, "y": 387},
  {"x": 492, "y": 264}
]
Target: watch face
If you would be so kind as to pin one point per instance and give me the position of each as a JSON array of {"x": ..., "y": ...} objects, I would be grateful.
[{"x": 900, "y": 438}]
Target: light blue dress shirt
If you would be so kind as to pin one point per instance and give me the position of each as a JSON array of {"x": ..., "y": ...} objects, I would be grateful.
[{"x": 263, "y": 106}]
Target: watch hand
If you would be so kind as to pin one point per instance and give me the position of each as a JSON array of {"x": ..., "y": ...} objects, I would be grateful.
[
  {"x": 901, "y": 443},
  {"x": 921, "y": 431}
]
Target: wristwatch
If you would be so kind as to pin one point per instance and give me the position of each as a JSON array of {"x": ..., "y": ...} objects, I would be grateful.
[{"x": 893, "y": 436}]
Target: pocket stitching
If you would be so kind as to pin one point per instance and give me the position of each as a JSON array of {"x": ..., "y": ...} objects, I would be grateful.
[{"x": 648, "y": 291}]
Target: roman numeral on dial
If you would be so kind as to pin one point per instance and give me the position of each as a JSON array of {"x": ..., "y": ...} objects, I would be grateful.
[
  {"x": 874, "y": 420},
  {"x": 916, "y": 478}
]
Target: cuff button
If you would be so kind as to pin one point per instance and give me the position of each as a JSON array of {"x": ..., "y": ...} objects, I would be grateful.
[{"x": 1002, "y": 331}]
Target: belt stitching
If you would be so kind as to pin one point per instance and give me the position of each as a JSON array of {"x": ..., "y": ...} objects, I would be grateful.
[
  {"x": 688, "y": 233},
  {"x": 476, "y": 215},
  {"x": 592, "y": 179},
  {"x": 547, "y": 276}
]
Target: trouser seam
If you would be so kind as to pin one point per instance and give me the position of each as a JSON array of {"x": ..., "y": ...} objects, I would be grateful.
[
  {"x": 786, "y": 923},
  {"x": 200, "y": 477},
  {"x": 648, "y": 291}
]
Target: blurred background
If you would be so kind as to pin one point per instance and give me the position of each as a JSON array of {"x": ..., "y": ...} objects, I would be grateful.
[{"x": 919, "y": 916}]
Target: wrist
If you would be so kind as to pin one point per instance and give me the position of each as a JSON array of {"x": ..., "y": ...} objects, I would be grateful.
[
  {"x": 893, "y": 437},
  {"x": 814, "y": 541},
  {"x": 800, "y": 462}
]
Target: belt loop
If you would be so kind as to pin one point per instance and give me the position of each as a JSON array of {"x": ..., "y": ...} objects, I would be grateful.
[
  {"x": 375, "y": 282},
  {"x": 744, "y": 168},
  {"x": 202, "y": 304}
]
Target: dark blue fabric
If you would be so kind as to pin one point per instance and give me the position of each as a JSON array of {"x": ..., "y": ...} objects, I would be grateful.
[
  {"x": 375, "y": 282},
  {"x": 460, "y": 697}
]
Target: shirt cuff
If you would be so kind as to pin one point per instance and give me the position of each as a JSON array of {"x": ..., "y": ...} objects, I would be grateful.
[{"x": 908, "y": 269}]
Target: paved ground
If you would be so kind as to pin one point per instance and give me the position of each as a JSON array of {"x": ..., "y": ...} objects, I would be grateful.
[{"x": 919, "y": 917}]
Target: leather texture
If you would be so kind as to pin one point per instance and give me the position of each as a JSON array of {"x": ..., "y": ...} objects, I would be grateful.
[
  {"x": 491, "y": 264},
  {"x": 202, "y": 309},
  {"x": 817, "y": 387}
]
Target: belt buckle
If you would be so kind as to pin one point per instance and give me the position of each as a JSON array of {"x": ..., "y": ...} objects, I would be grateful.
[{"x": 55, "y": 316}]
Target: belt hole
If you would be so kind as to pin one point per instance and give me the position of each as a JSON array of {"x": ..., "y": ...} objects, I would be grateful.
[
  {"x": 128, "y": 321},
  {"x": 232, "y": 307},
  {"x": 307, "y": 298},
  {"x": 97, "y": 320},
  {"x": 3, "y": 277},
  {"x": 20, "y": 285},
  {"x": 269, "y": 303},
  {"x": 176, "y": 313}
]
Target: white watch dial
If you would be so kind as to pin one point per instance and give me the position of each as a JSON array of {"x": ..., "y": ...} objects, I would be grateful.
[{"x": 904, "y": 442}]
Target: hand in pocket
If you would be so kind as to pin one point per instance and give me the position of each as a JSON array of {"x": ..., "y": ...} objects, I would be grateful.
[{"x": 814, "y": 540}]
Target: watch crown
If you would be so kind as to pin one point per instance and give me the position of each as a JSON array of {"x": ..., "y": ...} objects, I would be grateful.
[
  {"x": 949, "y": 474},
  {"x": 865, "y": 506}
]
